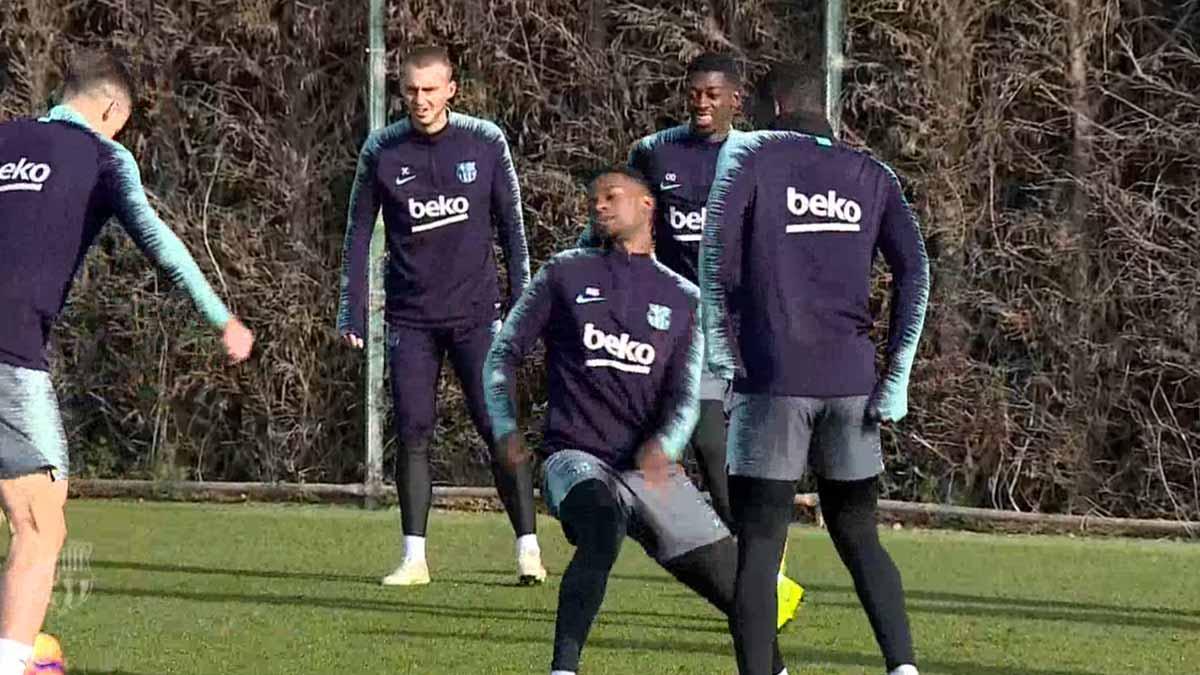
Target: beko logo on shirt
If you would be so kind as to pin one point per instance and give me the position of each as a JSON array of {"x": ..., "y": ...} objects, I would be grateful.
[
  {"x": 629, "y": 355},
  {"x": 688, "y": 224},
  {"x": 445, "y": 210},
  {"x": 845, "y": 215},
  {"x": 29, "y": 176}
]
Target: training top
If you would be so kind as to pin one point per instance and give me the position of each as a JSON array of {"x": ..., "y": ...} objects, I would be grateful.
[
  {"x": 794, "y": 221},
  {"x": 680, "y": 167},
  {"x": 623, "y": 353},
  {"x": 60, "y": 182},
  {"x": 440, "y": 195}
]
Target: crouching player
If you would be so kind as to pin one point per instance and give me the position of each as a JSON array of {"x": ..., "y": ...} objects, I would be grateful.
[{"x": 623, "y": 354}]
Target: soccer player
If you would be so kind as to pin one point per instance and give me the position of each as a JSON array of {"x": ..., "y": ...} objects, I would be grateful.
[
  {"x": 794, "y": 221},
  {"x": 61, "y": 178},
  {"x": 623, "y": 352},
  {"x": 443, "y": 180},
  {"x": 679, "y": 164}
]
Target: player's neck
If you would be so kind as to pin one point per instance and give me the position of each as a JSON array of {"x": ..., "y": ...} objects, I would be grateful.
[
  {"x": 435, "y": 126},
  {"x": 640, "y": 243},
  {"x": 808, "y": 123}
]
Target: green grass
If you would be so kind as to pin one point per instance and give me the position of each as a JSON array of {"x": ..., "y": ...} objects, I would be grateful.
[{"x": 189, "y": 589}]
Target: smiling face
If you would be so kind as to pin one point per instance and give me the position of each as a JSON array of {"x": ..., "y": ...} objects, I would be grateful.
[{"x": 713, "y": 101}]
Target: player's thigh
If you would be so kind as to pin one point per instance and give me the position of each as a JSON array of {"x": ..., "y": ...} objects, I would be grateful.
[
  {"x": 34, "y": 505},
  {"x": 584, "y": 493},
  {"x": 846, "y": 443},
  {"x": 769, "y": 436},
  {"x": 415, "y": 364},
  {"x": 468, "y": 349},
  {"x": 671, "y": 519}
]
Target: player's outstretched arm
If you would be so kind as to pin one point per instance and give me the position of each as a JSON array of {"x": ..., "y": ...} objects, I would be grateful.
[
  {"x": 356, "y": 248},
  {"x": 506, "y": 205},
  {"x": 903, "y": 249},
  {"x": 157, "y": 241},
  {"x": 521, "y": 330},
  {"x": 729, "y": 202}
]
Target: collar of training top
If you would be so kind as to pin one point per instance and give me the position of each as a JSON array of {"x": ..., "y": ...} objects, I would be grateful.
[
  {"x": 815, "y": 125},
  {"x": 65, "y": 113}
]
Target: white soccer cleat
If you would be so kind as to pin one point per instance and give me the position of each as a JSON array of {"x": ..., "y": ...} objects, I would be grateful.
[
  {"x": 529, "y": 568},
  {"x": 409, "y": 573},
  {"x": 905, "y": 670}
]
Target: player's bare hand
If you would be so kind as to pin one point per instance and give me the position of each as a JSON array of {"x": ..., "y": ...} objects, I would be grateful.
[
  {"x": 353, "y": 340},
  {"x": 513, "y": 453},
  {"x": 238, "y": 340},
  {"x": 654, "y": 464}
]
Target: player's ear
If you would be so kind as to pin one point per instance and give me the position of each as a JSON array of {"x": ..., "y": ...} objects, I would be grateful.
[{"x": 452, "y": 88}]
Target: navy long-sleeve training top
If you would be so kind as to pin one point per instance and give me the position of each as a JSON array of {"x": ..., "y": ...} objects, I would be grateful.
[
  {"x": 60, "y": 182},
  {"x": 680, "y": 167},
  {"x": 793, "y": 224},
  {"x": 623, "y": 354},
  {"x": 441, "y": 196}
]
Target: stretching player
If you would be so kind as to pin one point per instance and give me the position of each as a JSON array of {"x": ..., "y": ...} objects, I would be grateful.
[
  {"x": 443, "y": 180},
  {"x": 623, "y": 352},
  {"x": 794, "y": 222},
  {"x": 61, "y": 178},
  {"x": 679, "y": 164}
]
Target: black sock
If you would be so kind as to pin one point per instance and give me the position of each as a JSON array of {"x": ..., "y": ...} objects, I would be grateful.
[
  {"x": 849, "y": 508},
  {"x": 414, "y": 486},
  {"x": 709, "y": 443},
  {"x": 595, "y": 524},
  {"x": 711, "y": 571},
  {"x": 762, "y": 511}
]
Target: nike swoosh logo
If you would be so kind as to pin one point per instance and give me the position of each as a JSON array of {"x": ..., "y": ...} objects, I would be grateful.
[
  {"x": 667, "y": 187},
  {"x": 402, "y": 181},
  {"x": 584, "y": 299}
]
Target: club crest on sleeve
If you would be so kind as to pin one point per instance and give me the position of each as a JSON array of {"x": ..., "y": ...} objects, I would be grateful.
[
  {"x": 466, "y": 172},
  {"x": 659, "y": 317}
]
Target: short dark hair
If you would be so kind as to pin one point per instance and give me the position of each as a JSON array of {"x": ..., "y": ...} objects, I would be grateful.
[
  {"x": 712, "y": 62},
  {"x": 795, "y": 86},
  {"x": 622, "y": 170},
  {"x": 428, "y": 55},
  {"x": 92, "y": 69}
]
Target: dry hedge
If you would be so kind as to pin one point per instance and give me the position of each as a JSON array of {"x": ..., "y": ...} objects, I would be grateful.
[{"x": 1052, "y": 150}]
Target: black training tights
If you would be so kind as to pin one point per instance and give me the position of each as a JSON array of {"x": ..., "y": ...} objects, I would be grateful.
[
  {"x": 762, "y": 509},
  {"x": 708, "y": 440}
]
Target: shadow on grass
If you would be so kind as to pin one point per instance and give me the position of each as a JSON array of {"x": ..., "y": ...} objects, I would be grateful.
[{"x": 793, "y": 655}]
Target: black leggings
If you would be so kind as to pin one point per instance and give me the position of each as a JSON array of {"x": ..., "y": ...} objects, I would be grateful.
[
  {"x": 415, "y": 356},
  {"x": 763, "y": 509},
  {"x": 595, "y": 524},
  {"x": 708, "y": 441}
]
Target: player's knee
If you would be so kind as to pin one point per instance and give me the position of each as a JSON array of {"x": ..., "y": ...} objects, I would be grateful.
[
  {"x": 594, "y": 522},
  {"x": 414, "y": 439}
]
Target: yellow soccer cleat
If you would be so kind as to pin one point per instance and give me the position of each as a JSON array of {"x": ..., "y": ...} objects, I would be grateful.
[
  {"x": 47, "y": 657},
  {"x": 409, "y": 573},
  {"x": 789, "y": 597}
]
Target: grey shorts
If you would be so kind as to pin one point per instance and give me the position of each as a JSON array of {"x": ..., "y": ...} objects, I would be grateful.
[
  {"x": 780, "y": 437},
  {"x": 667, "y": 522},
  {"x": 31, "y": 430},
  {"x": 712, "y": 388}
]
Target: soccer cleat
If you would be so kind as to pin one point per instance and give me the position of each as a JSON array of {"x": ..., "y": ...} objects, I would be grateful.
[
  {"x": 529, "y": 568},
  {"x": 789, "y": 596},
  {"x": 47, "y": 657},
  {"x": 409, "y": 573},
  {"x": 906, "y": 669}
]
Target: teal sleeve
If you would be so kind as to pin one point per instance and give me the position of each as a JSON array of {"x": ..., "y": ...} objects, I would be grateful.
[
  {"x": 520, "y": 332},
  {"x": 356, "y": 247},
  {"x": 682, "y": 397},
  {"x": 729, "y": 201},
  {"x": 127, "y": 198}
]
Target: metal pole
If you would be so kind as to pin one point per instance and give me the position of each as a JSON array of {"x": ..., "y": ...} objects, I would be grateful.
[
  {"x": 376, "y": 90},
  {"x": 834, "y": 23}
]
